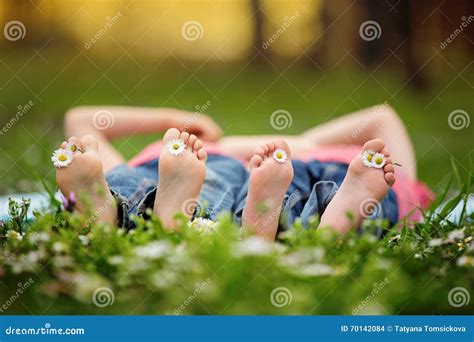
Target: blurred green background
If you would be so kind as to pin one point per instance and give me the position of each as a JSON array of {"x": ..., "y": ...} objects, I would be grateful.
[{"x": 247, "y": 58}]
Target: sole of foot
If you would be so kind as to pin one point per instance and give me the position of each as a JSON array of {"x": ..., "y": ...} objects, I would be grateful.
[
  {"x": 271, "y": 173},
  {"x": 360, "y": 192},
  {"x": 181, "y": 169},
  {"x": 84, "y": 178}
]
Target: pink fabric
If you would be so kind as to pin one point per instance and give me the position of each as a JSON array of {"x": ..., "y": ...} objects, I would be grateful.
[{"x": 411, "y": 194}]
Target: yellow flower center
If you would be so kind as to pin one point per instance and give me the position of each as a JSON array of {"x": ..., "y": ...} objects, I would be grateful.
[
  {"x": 378, "y": 160},
  {"x": 175, "y": 146},
  {"x": 369, "y": 157},
  {"x": 279, "y": 155},
  {"x": 62, "y": 157},
  {"x": 73, "y": 148}
]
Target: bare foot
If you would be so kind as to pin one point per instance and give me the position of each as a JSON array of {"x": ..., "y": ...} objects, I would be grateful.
[
  {"x": 181, "y": 174},
  {"x": 269, "y": 182},
  {"x": 84, "y": 177},
  {"x": 360, "y": 192}
]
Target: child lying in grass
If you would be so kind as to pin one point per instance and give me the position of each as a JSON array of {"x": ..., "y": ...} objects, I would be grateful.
[{"x": 265, "y": 182}]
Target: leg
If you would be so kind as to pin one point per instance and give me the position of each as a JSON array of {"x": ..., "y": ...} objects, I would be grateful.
[
  {"x": 84, "y": 177},
  {"x": 181, "y": 176},
  {"x": 357, "y": 128},
  {"x": 361, "y": 190},
  {"x": 269, "y": 182}
]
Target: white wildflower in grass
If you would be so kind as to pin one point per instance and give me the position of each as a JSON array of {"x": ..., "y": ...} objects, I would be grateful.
[
  {"x": 202, "y": 224},
  {"x": 456, "y": 235},
  {"x": 373, "y": 159},
  {"x": 61, "y": 158},
  {"x": 154, "y": 250},
  {"x": 435, "y": 242},
  {"x": 465, "y": 261},
  {"x": 254, "y": 246},
  {"x": 73, "y": 148},
  {"x": 176, "y": 147},
  {"x": 280, "y": 155},
  {"x": 14, "y": 235},
  {"x": 84, "y": 240}
]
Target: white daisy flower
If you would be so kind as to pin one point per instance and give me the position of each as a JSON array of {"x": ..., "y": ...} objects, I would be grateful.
[
  {"x": 72, "y": 148},
  {"x": 378, "y": 160},
  {"x": 202, "y": 224},
  {"x": 176, "y": 147},
  {"x": 61, "y": 158},
  {"x": 280, "y": 155},
  {"x": 367, "y": 157},
  {"x": 12, "y": 234}
]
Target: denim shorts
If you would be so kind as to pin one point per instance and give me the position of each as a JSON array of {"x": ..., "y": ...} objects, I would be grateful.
[{"x": 225, "y": 191}]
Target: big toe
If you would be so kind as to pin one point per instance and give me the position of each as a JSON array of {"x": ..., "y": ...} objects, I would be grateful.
[
  {"x": 172, "y": 133},
  {"x": 375, "y": 145},
  {"x": 281, "y": 144}
]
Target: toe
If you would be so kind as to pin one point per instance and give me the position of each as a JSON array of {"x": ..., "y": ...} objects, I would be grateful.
[
  {"x": 389, "y": 168},
  {"x": 63, "y": 144},
  {"x": 191, "y": 141},
  {"x": 201, "y": 154},
  {"x": 172, "y": 133},
  {"x": 198, "y": 145},
  {"x": 390, "y": 178},
  {"x": 184, "y": 137},
  {"x": 271, "y": 148},
  {"x": 280, "y": 143},
  {"x": 260, "y": 151},
  {"x": 255, "y": 161},
  {"x": 385, "y": 152},
  {"x": 375, "y": 145},
  {"x": 89, "y": 143}
]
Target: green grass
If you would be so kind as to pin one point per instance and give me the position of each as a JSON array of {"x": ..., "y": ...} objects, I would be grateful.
[{"x": 64, "y": 265}]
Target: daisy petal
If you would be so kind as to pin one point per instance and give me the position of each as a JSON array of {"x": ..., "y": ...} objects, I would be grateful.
[
  {"x": 176, "y": 147},
  {"x": 280, "y": 155},
  {"x": 61, "y": 158}
]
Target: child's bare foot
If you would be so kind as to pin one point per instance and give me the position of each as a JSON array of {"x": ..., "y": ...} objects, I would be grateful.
[
  {"x": 269, "y": 182},
  {"x": 181, "y": 175},
  {"x": 360, "y": 192},
  {"x": 84, "y": 177}
]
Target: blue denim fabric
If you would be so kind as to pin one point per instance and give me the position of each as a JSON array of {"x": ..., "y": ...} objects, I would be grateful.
[{"x": 225, "y": 191}]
